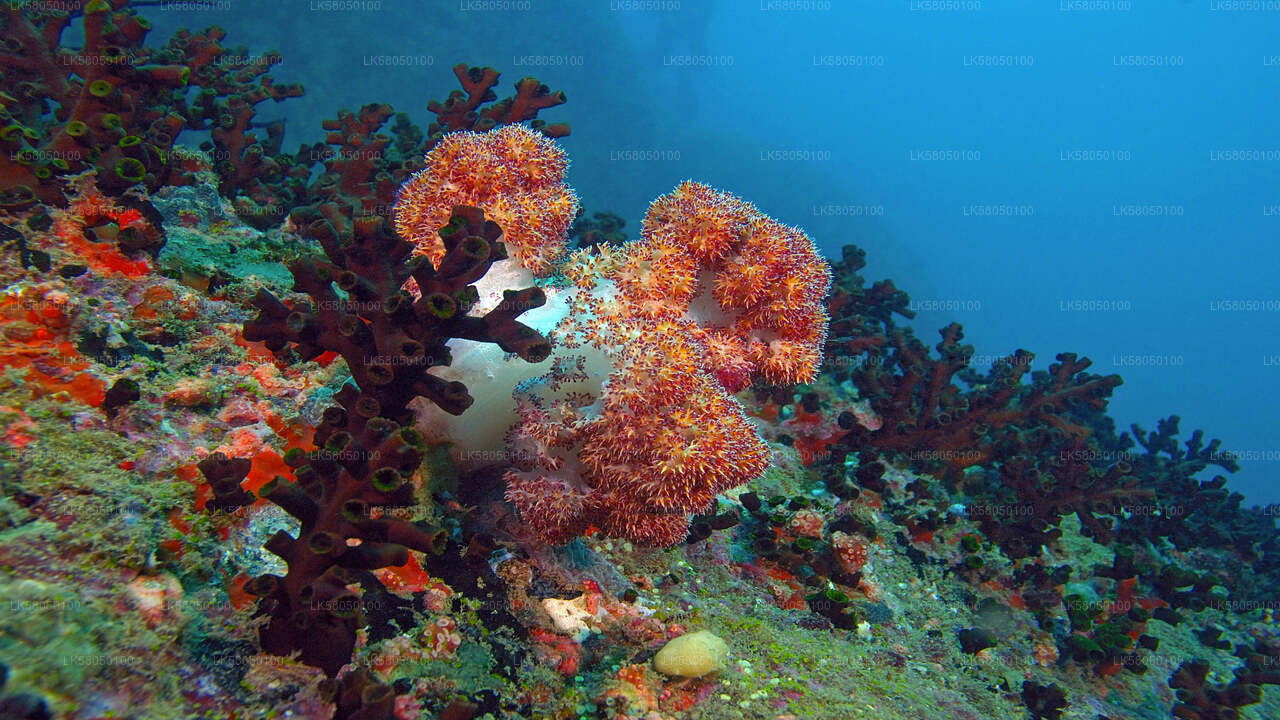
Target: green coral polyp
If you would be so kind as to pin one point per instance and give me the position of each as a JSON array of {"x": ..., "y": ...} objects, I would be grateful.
[
  {"x": 16, "y": 197},
  {"x": 412, "y": 438},
  {"x": 355, "y": 510},
  {"x": 387, "y": 480},
  {"x": 324, "y": 543},
  {"x": 295, "y": 457},
  {"x": 441, "y": 306},
  {"x": 338, "y": 442},
  {"x": 100, "y": 88},
  {"x": 475, "y": 248},
  {"x": 131, "y": 170}
]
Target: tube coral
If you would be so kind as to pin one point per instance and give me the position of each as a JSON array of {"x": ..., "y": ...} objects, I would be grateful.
[{"x": 366, "y": 454}]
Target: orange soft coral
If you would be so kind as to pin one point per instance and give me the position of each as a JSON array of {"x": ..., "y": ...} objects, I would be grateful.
[
  {"x": 634, "y": 428},
  {"x": 755, "y": 285},
  {"x": 713, "y": 296},
  {"x": 515, "y": 174},
  {"x": 662, "y": 441}
]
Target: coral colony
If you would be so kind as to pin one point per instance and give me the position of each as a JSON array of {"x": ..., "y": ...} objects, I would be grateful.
[{"x": 390, "y": 428}]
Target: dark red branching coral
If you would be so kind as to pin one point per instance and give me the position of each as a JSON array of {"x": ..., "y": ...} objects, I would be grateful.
[
  {"x": 117, "y": 106},
  {"x": 104, "y": 106},
  {"x": 360, "y": 307},
  {"x": 1198, "y": 699},
  {"x": 358, "y": 184},
  {"x": 1028, "y": 432},
  {"x": 1213, "y": 515},
  {"x": 263, "y": 182},
  {"x": 362, "y": 461},
  {"x": 359, "y": 696},
  {"x": 860, "y": 315},
  {"x": 389, "y": 339},
  {"x": 364, "y": 168},
  {"x": 1044, "y": 702},
  {"x": 923, "y": 411},
  {"x": 466, "y": 109},
  {"x": 1048, "y": 477},
  {"x": 1036, "y": 455},
  {"x": 366, "y": 450}
]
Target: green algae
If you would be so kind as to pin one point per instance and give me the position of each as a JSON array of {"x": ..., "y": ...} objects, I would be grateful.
[{"x": 60, "y": 644}]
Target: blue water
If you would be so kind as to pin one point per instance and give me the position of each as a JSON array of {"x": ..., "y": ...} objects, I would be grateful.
[{"x": 1104, "y": 181}]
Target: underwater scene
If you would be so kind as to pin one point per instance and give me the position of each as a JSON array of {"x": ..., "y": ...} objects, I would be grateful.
[{"x": 639, "y": 359}]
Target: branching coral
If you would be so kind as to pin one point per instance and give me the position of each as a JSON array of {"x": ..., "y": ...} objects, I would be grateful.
[
  {"x": 104, "y": 106},
  {"x": 366, "y": 453},
  {"x": 390, "y": 339},
  {"x": 860, "y": 316},
  {"x": 363, "y": 461},
  {"x": 117, "y": 106},
  {"x": 1200, "y": 699},
  {"x": 1006, "y": 438},
  {"x": 263, "y": 182},
  {"x": 468, "y": 109},
  {"x": 922, "y": 409}
]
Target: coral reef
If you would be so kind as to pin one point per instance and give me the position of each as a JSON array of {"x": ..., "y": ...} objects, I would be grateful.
[
  {"x": 485, "y": 456},
  {"x": 476, "y": 106},
  {"x": 262, "y": 182},
  {"x": 1199, "y": 699}
]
